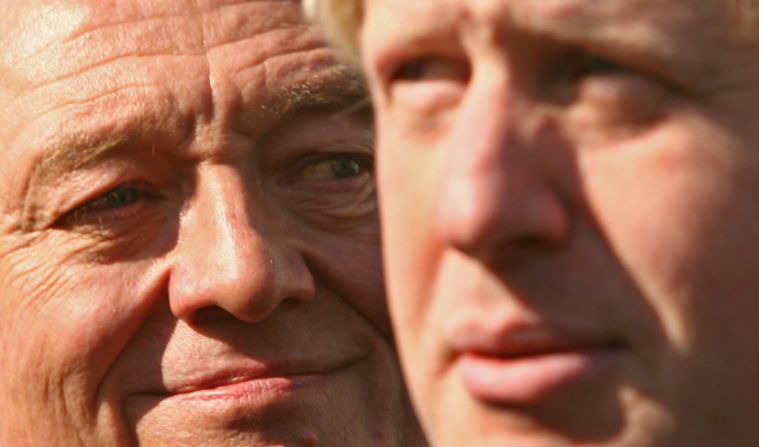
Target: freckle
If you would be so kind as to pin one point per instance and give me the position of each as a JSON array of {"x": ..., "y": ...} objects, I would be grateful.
[{"x": 309, "y": 438}]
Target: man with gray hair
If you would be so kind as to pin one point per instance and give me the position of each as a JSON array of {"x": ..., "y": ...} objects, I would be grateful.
[
  {"x": 570, "y": 196},
  {"x": 189, "y": 246}
]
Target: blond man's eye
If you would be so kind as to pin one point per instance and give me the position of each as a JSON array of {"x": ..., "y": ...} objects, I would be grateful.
[
  {"x": 592, "y": 65},
  {"x": 432, "y": 68}
]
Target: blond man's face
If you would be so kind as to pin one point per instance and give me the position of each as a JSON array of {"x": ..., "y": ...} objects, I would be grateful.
[{"x": 569, "y": 202}]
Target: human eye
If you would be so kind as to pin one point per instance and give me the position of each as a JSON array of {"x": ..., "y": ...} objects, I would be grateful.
[
  {"x": 336, "y": 167},
  {"x": 428, "y": 82},
  {"x": 118, "y": 203},
  {"x": 574, "y": 68},
  {"x": 589, "y": 65},
  {"x": 430, "y": 68},
  {"x": 612, "y": 91},
  {"x": 329, "y": 185}
]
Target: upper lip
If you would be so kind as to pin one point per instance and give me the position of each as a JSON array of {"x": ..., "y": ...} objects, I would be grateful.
[{"x": 209, "y": 380}]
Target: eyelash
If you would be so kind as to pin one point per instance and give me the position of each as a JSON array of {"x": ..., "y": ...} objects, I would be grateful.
[
  {"x": 438, "y": 67},
  {"x": 115, "y": 203},
  {"x": 588, "y": 64},
  {"x": 362, "y": 162}
]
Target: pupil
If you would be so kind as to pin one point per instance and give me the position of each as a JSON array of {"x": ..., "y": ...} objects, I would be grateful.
[
  {"x": 345, "y": 168},
  {"x": 600, "y": 65},
  {"x": 121, "y": 197}
]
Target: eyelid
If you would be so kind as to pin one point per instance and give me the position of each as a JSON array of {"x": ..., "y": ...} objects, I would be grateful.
[
  {"x": 84, "y": 210},
  {"x": 366, "y": 160},
  {"x": 438, "y": 67},
  {"x": 638, "y": 62},
  {"x": 385, "y": 60}
]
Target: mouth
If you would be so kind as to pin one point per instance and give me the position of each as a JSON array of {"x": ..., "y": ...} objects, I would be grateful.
[
  {"x": 527, "y": 374},
  {"x": 260, "y": 384}
]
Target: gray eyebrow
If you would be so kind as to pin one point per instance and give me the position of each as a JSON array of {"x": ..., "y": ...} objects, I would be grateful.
[
  {"x": 73, "y": 153},
  {"x": 342, "y": 95},
  {"x": 339, "y": 94}
]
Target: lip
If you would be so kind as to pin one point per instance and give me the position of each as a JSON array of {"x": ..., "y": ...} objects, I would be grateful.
[
  {"x": 530, "y": 365},
  {"x": 262, "y": 381}
]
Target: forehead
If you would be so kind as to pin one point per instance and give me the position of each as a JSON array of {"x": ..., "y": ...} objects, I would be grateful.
[
  {"x": 84, "y": 71},
  {"x": 75, "y": 51},
  {"x": 560, "y": 18}
]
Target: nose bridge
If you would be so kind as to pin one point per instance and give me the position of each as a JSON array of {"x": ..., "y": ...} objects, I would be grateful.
[
  {"x": 494, "y": 189},
  {"x": 224, "y": 229},
  {"x": 228, "y": 259}
]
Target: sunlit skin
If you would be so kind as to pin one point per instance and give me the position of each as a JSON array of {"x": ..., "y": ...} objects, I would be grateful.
[
  {"x": 569, "y": 205},
  {"x": 189, "y": 247}
]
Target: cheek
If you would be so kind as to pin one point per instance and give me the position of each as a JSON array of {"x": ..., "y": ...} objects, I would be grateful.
[
  {"x": 659, "y": 201},
  {"x": 65, "y": 326},
  {"x": 408, "y": 180}
]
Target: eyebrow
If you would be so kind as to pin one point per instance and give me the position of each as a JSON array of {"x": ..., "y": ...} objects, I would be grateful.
[
  {"x": 74, "y": 152},
  {"x": 340, "y": 93},
  {"x": 343, "y": 95}
]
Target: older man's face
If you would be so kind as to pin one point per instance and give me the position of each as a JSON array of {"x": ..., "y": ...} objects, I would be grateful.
[
  {"x": 188, "y": 237},
  {"x": 570, "y": 200}
]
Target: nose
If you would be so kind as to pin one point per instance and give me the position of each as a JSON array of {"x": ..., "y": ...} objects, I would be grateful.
[
  {"x": 500, "y": 189},
  {"x": 227, "y": 259}
]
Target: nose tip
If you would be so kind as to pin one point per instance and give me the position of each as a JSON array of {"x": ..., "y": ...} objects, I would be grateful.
[
  {"x": 248, "y": 283},
  {"x": 225, "y": 259},
  {"x": 500, "y": 188},
  {"x": 481, "y": 216}
]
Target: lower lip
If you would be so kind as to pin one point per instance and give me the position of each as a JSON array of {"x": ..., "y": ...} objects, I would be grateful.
[{"x": 531, "y": 379}]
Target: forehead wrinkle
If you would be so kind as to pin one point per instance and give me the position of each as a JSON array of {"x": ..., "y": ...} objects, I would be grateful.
[
  {"x": 239, "y": 20},
  {"x": 37, "y": 28},
  {"x": 102, "y": 46},
  {"x": 66, "y": 151},
  {"x": 236, "y": 42},
  {"x": 60, "y": 108}
]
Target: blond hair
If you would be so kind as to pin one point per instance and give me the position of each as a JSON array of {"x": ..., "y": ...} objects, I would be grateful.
[{"x": 341, "y": 20}]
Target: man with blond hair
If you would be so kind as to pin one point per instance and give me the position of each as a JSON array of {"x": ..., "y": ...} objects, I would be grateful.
[{"x": 570, "y": 196}]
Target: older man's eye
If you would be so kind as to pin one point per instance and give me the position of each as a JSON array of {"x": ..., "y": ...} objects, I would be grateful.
[
  {"x": 337, "y": 167},
  {"x": 114, "y": 203},
  {"x": 116, "y": 198}
]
